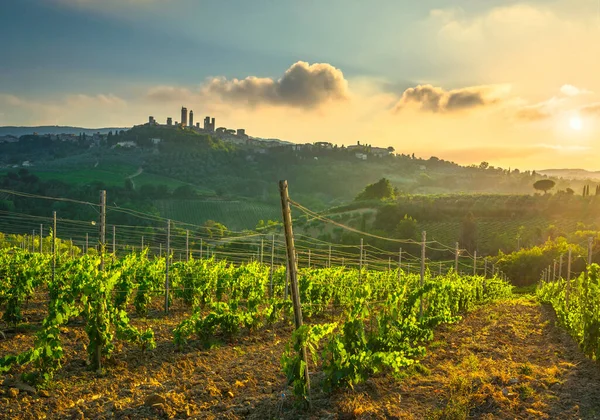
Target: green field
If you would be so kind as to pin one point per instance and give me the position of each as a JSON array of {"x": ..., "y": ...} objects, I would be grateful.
[
  {"x": 110, "y": 174},
  {"x": 236, "y": 215}
]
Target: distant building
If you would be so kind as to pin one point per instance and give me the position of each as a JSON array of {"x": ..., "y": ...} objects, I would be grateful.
[
  {"x": 324, "y": 144},
  {"x": 169, "y": 121},
  {"x": 241, "y": 132},
  {"x": 381, "y": 151},
  {"x": 361, "y": 156},
  {"x": 127, "y": 144},
  {"x": 209, "y": 125},
  {"x": 197, "y": 125},
  {"x": 191, "y": 122},
  {"x": 184, "y": 116},
  {"x": 151, "y": 120},
  {"x": 221, "y": 130}
]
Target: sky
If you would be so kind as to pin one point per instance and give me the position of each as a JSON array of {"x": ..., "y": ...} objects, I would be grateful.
[{"x": 514, "y": 83}]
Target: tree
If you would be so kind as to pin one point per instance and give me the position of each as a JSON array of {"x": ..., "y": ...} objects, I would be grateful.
[
  {"x": 544, "y": 185},
  {"x": 570, "y": 191},
  {"x": 407, "y": 228},
  {"x": 378, "y": 191}
]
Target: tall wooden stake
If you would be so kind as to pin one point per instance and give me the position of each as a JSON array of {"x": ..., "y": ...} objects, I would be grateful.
[
  {"x": 456, "y": 252},
  {"x": 272, "y": 266},
  {"x": 292, "y": 268},
  {"x": 102, "y": 249},
  {"x": 569, "y": 267},
  {"x": 53, "y": 245},
  {"x": 399, "y": 262},
  {"x": 589, "y": 261},
  {"x": 423, "y": 240},
  {"x": 187, "y": 245},
  {"x": 262, "y": 245},
  {"x": 360, "y": 261},
  {"x": 114, "y": 241},
  {"x": 167, "y": 258},
  {"x": 475, "y": 263},
  {"x": 41, "y": 239}
]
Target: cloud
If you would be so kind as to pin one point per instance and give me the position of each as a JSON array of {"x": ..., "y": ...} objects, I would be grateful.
[
  {"x": 534, "y": 45},
  {"x": 591, "y": 109},
  {"x": 542, "y": 110},
  {"x": 570, "y": 90},
  {"x": 436, "y": 99},
  {"x": 303, "y": 85},
  {"x": 169, "y": 94}
]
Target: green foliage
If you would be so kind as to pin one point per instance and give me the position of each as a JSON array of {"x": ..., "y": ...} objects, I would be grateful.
[
  {"x": 380, "y": 190},
  {"x": 544, "y": 185},
  {"x": 80, "y": 288},
  {"x": 354, "y": 348},
  {"x": 407, "y": 228},
  {"x": 576, "y": 305},
  {"x": 525, "y": 265}
]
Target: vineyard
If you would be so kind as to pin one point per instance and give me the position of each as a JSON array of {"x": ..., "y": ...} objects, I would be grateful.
[
  {"x": 369, "y": 320},
  {"x": 209, "y": 326}
]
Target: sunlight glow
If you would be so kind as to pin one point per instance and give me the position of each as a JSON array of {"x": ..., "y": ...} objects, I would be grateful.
[{"x": 576, "y": 123}]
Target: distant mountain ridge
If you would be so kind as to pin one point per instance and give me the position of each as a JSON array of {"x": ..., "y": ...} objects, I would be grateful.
[
  {"x": 571, "y": 173},
  {"x": 55, "y": 129}
]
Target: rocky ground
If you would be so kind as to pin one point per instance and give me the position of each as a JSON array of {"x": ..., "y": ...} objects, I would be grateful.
[{"x": 503, "y": 361}]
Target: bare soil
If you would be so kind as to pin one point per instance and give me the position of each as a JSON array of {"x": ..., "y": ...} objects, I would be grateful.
[{"x": 503, "y": 361}]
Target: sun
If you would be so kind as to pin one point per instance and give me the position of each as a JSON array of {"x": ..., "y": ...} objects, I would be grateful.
[{"x": 576, "y": 123}]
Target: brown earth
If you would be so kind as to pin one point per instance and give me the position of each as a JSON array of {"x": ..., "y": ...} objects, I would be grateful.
[{"x": 503, "y": 361}]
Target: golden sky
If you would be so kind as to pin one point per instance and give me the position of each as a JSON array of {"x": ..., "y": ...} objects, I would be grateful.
[{"x": 515, "y": 84}]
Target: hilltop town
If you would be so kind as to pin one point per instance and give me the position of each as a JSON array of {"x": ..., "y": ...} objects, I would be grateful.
[{"x": 237, "y": 137}]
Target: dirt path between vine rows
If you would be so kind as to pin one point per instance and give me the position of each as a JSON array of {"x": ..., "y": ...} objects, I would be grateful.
[{"x": 503, "y": 361}]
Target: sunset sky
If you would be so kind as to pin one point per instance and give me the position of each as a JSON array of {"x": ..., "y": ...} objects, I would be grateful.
[{"x": 515, "y": 83}]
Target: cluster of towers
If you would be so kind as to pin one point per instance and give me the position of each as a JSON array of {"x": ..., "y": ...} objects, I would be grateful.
[{"x": 187, "y": 120}]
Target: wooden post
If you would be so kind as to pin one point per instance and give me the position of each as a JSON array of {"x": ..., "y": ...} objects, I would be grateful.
[
  {"x": 560, "y": 264},
  {"x": 142, "y": 242},
  {"x": 360, "y": 261},
  {"x": 475, "y": 263},
  {"x": 272, "y": 268},
  {"x": 160, "y": 250},
  {"x": 292, "y": 268},
  {"x": 309, "y": 258},
  {"x": 423, "y": 240},
  {"x": 114, "y": 241},
  {"x": 399, "y": 262},
  {"x": 167, "y": 258},
  {"x": 187, "y": 245},
  {"x": 102, "y": 227},
  {"x": 261, "y": 250},
  {"x": 569, "y": 267},
  {"x": 41, "y": 239},
  {"x": 485, "y": 268},
  {"x": 53, "y": 245},
  {"x": 102, "y": 249},
  {"x": 589, "y": 261},
  {"x": 389, "y": 264},
  {"x": 329, "y": 258},
  {"x": 87, "y": 245},
  {"x": 554, "y": 270},
  {"x": 568, "y": 282},
  {"x": 456, "y": 259},
  {"x": 440, "y": 270}
]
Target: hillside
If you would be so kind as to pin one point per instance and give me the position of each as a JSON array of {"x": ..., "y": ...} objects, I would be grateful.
[
  {"x": 54, "y": 129},
  {"x": 202, "y": 167}
]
